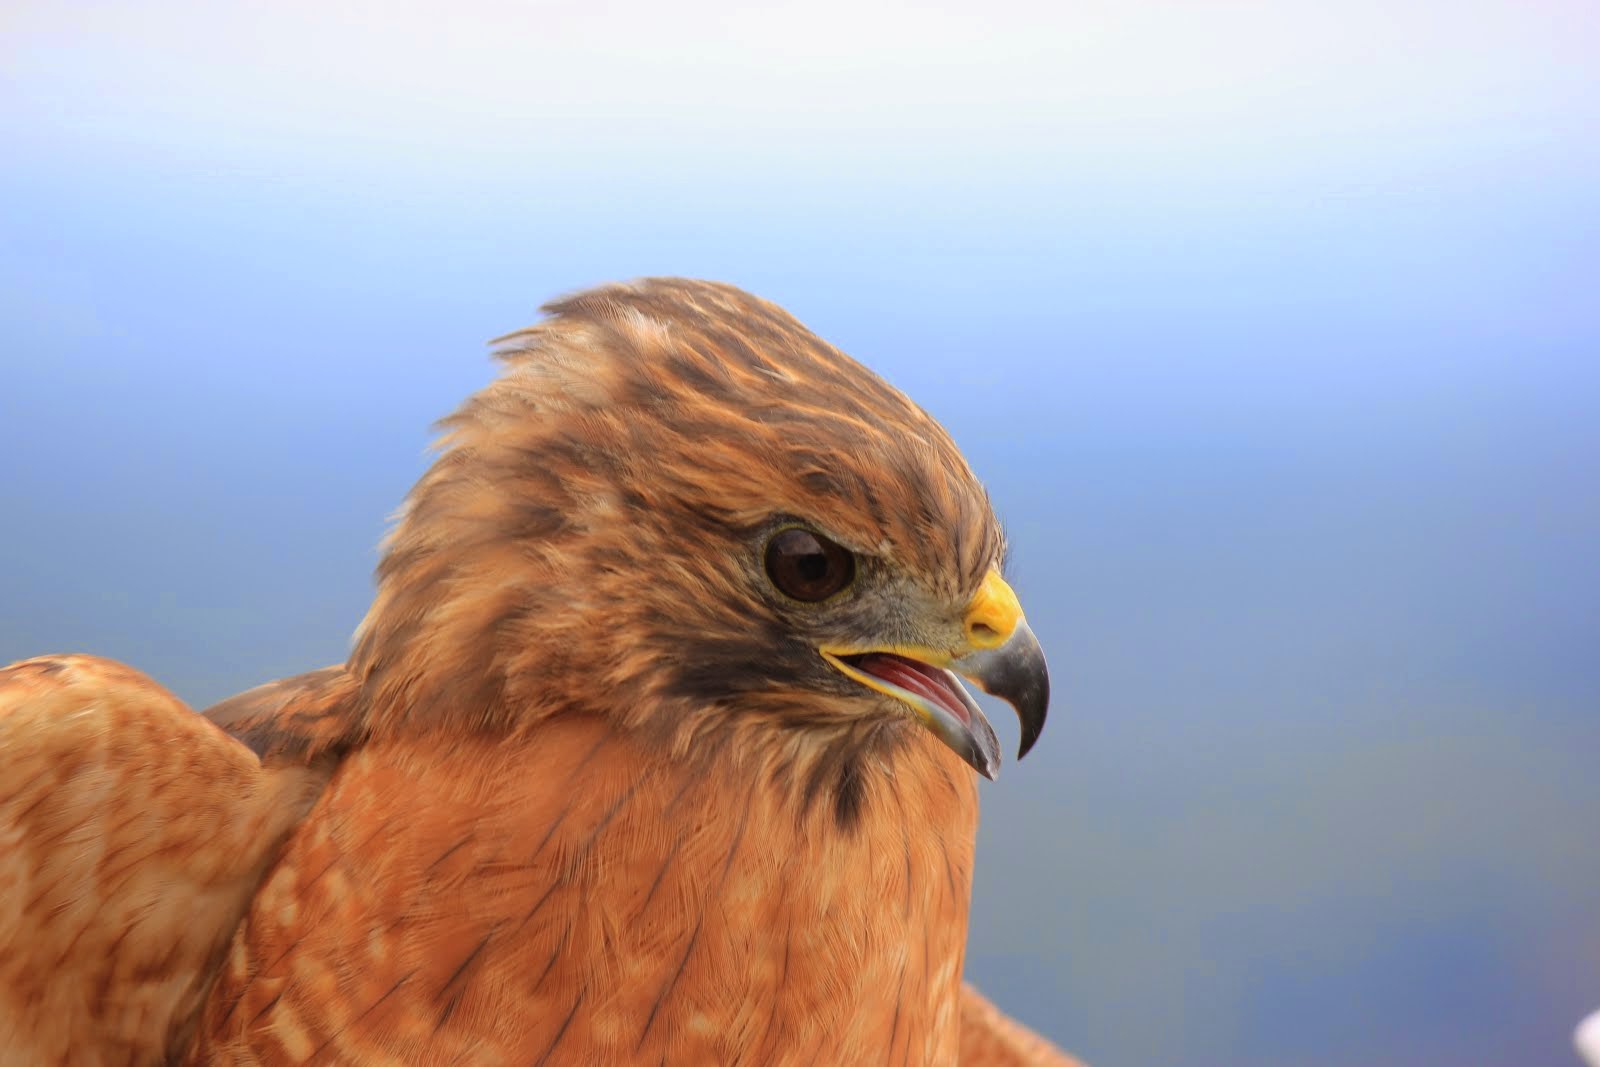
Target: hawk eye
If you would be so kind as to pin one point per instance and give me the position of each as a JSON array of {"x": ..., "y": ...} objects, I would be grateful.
[{"x": 808, "y": 566}]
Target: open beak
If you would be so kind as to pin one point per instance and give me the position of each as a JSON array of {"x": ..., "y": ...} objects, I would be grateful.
[{"x": 1000, "y": 655}]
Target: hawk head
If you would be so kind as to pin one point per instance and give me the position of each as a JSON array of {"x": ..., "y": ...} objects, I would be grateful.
[{"x": 679, "y": 508}]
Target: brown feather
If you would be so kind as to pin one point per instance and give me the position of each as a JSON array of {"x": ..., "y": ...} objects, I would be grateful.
[
  {"x": 603, "y": 801},
  {"x": 589, "y": 518},
  {"x": 447, "y": 901},
  {"x": 597, "y": 798},
  {"x": 132, "y": 836},
  {"x": 990, "y": 1039},
  {"x": 302, "y": 719}
]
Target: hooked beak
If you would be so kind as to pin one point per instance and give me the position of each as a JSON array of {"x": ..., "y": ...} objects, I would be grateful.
[{"x": 1001, "y": 656}]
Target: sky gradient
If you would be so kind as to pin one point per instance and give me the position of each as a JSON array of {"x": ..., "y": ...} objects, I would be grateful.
[{"x": 1273, "y": 330}]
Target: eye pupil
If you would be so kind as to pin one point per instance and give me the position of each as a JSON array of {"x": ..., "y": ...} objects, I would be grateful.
[{"x": 808, "y": 566}]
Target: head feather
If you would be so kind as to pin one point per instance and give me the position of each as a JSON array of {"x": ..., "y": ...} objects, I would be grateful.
[{"x": 582, "y": 542}]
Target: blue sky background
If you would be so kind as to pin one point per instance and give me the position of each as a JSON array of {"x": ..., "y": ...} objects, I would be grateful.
[{"x": 1273, "y": 328}]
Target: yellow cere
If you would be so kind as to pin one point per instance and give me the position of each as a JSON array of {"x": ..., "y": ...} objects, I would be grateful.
[{"x": 993, "y": 614}]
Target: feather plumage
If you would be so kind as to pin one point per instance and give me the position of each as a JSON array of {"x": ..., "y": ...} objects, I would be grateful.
[{"x": 594, "y": 794}]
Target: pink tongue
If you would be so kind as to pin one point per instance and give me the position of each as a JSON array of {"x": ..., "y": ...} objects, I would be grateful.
[{"x": 928, "y": 682}]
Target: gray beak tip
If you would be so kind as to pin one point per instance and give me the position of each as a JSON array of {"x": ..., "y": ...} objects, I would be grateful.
[{"x": 1016, "y": 673}]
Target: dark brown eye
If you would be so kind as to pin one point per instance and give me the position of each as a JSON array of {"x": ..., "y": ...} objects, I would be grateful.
[{"x": 808, "y": 566}]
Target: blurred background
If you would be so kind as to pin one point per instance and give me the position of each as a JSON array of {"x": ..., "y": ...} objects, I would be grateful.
[{"x": 1274, "y": 329}]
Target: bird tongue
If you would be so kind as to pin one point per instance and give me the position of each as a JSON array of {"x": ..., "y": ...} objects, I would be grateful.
[{"x": 927, "y": 682}]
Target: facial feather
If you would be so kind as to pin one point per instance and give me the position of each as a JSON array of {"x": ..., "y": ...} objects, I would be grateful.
[{"x": 588, "y": 539}]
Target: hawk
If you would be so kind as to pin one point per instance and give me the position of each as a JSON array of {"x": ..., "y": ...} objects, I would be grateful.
[{"x": 652, "y": 748}]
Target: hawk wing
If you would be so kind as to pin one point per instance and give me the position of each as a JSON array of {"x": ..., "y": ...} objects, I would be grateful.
[
  {"x": 133, "y": 833},
  {"x": 991, "y": 1039}
]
